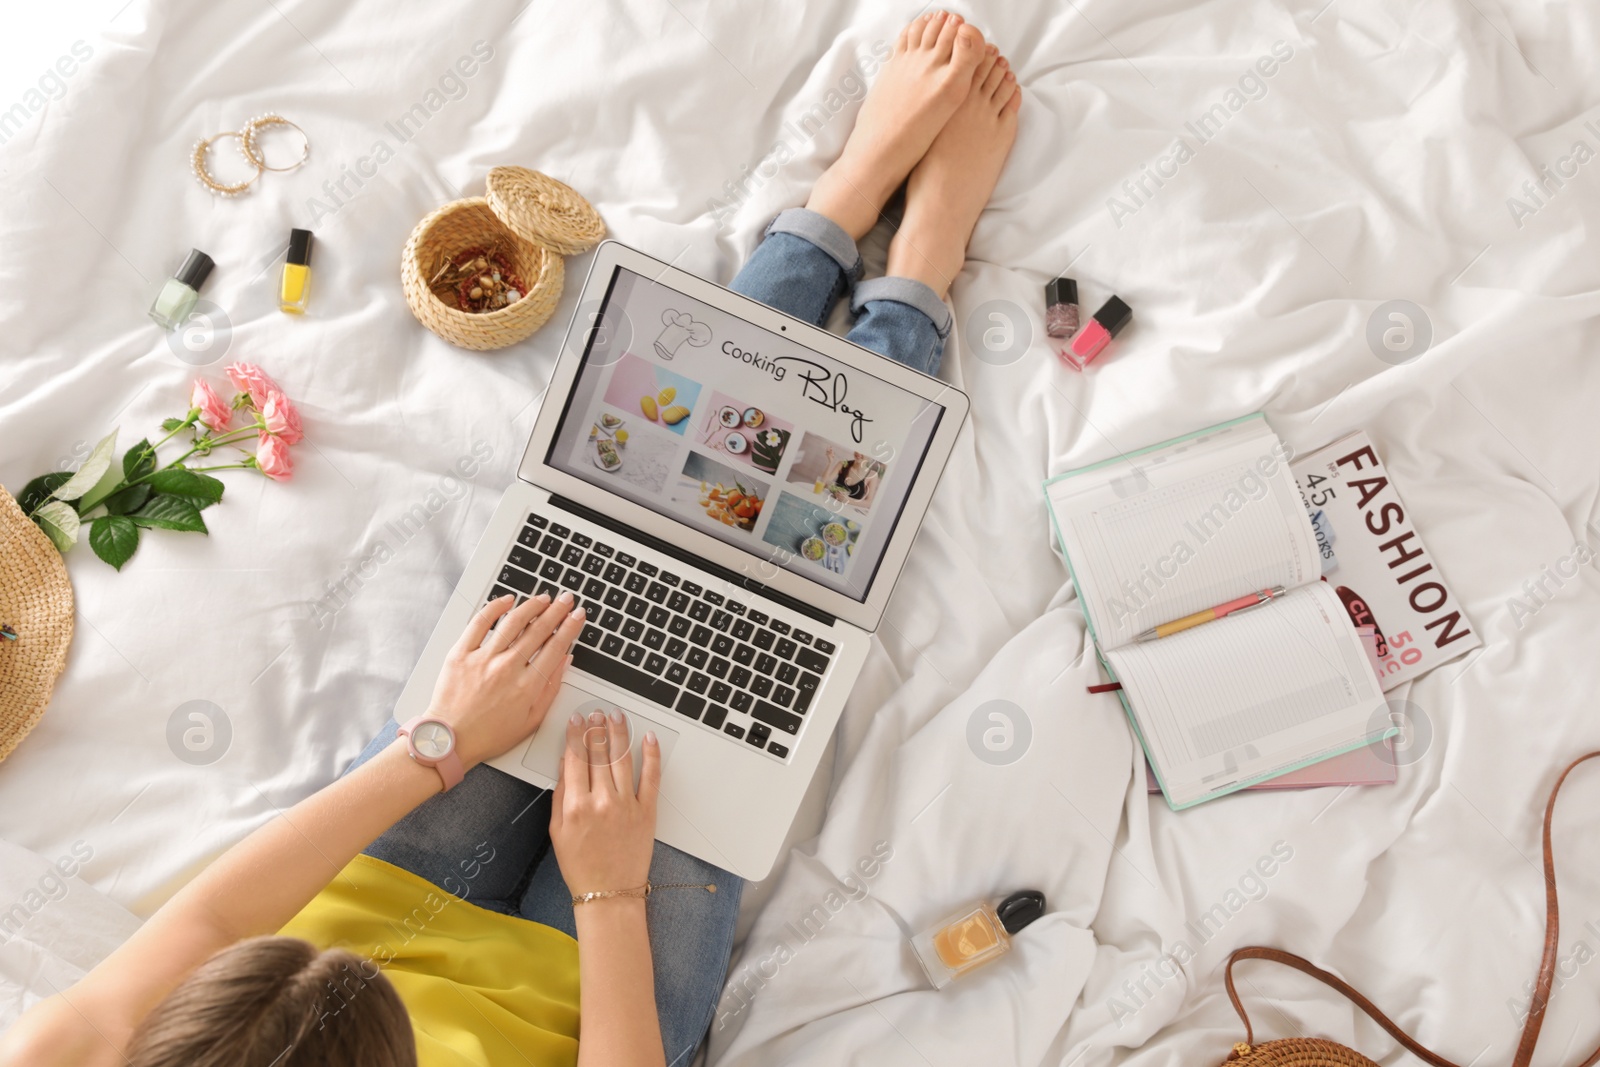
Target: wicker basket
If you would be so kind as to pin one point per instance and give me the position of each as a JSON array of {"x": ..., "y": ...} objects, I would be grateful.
[{"x": 534, "y": 220}]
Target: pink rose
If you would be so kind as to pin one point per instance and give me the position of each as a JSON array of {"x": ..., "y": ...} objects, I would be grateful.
[
  {"x": 272, "y": 457},
  {"x": 249, "y": 378},
  {"x": 281, "y": 417},
  {"x": 214, "y": 411}
]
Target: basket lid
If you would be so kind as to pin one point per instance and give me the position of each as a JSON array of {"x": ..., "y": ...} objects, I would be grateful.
[{"x": 544, "y": 211}]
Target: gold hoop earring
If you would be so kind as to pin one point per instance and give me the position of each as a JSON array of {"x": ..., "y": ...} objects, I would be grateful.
[
  {"x": 197, "y": 163},
  {"x": 252, "y": 151}
]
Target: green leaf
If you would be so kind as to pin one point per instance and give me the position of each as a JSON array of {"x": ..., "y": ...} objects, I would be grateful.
[
  {"x": 128, "y": 498},
  {"x": 201, "y": 490},
  {"x": 39, "y": 490},
  {"x": 109, "y": 483},
  {"x": 93, "y": 469},
  {"x": 171, "y": 424},
  {"x": 139, "y": 460},
  {"x": 59, "y": 522},
  {"x": 113, "y": 538},
  {"x": 169, "y": 512}
]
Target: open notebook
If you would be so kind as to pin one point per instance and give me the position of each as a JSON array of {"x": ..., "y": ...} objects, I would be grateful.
[{"x": 1156, "y": 535}]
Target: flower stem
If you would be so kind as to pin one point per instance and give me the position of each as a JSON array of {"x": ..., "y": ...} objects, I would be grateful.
[
  {"x": 189, "y": 420},
  {"x": 194, "y": 414},
  {"x": 213, "y": 442}
]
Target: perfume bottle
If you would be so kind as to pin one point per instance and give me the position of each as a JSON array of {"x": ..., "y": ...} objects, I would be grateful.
[
  {"x": 974, "y": 936},
  {"x": 1061, "y": 307},
  {"x": 177, "y": 297},
  {"x": 1093, "y": 338},
  {"x": 294, "y": 289}
]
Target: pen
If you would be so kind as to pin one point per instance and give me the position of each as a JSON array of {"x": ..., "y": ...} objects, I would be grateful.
[{"x": 1251, "y": 600}]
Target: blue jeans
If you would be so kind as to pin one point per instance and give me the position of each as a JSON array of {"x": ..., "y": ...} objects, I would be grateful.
[
  {"x": 445, "y": 840},
  {"x": 806, "y": 263}
]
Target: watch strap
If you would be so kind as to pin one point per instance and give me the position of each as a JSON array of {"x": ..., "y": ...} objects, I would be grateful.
[{"x": 449, "y": 765}]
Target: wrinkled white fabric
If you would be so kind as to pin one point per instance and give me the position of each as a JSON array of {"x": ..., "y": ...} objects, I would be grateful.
[{"x": 1374, "y": 164}]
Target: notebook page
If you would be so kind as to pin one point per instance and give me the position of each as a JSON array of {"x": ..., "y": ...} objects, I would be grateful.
[
  {"x": 1251, "y": 693},
  {"x": 1172, "y": 532}
]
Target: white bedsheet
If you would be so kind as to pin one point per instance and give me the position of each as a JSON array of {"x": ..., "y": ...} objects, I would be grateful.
[{"x": 1375, "y": 164}]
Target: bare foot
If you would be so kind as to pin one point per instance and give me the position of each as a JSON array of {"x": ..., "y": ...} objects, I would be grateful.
[
  {"x": 922, "y": 85},
  {"x": 948, "y": 190}
]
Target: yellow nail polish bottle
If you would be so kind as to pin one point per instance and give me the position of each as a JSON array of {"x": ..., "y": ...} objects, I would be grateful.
[
  {"x": 974, "y": 936},
  {"x": 295, "y": 287}
]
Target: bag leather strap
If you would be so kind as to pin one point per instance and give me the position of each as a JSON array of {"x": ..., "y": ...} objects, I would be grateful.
[{"x": 1542, "y": 985}]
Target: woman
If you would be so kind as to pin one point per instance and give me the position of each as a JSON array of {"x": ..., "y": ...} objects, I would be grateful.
[
  {"x": 851, "y": 481},
  {"x": 385, "y": 921},
  {"x": 456, "y": 875}
]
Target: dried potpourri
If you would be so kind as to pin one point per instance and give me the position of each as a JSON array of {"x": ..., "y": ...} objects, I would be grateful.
[{"x": 477, "y": 280}]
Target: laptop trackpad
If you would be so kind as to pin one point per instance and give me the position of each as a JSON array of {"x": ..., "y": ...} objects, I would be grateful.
[{"x": 544, "y": 752}]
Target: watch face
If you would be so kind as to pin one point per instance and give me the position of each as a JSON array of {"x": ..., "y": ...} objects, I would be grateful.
[{"x": 433, "y": 739}]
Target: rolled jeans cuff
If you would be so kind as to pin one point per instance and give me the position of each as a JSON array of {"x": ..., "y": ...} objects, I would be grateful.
[
  {"x": 822, "y": 232},
  {"x": 907, "y": 291}
]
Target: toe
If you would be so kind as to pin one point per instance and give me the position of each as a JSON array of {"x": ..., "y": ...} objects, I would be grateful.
[
  {"x": 947, "y": 36},
  {"x": 994, "y": 74},
  {"x": 912, "y": 34},
  {"x": 985, "y": 71},
  {"x": 1013, "y": 105},
  {"x": 1008, "y": 89},
  {"x": 931, "y": 28},
  {"x": 902, "y": 42},
  {"x": 969, "y": 46}
]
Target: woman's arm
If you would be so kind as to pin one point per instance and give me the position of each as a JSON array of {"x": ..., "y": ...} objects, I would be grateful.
[
  {"x": 489, "y": 692},
  {"x": 872, "y": 488},
  {"x": 604, "y": 834}
]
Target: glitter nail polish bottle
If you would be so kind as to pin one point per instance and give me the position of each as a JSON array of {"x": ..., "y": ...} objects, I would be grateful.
[
  {"x": 1061, "y": 307},
  {"x": 974, "y": 936},
  {"x": 178, "y": 296}
]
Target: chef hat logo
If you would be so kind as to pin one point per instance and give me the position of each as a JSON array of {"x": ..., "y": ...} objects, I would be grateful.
[{"x": 680, "y": 329}]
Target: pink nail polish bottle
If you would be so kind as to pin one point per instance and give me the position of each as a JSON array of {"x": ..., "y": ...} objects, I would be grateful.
[{"x": 1113, "y": 315}]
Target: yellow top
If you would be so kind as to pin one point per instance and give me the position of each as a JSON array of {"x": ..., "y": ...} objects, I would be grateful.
[{"x": 482, "y": 988}]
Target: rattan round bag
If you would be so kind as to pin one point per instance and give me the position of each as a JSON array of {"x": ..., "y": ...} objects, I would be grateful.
[
  {"x": 36, "y": 611},
  {"x": 527, "y": 220},
  {"x": 1298, "y": 1052},
  {"x": 1320, "y": 1052}
]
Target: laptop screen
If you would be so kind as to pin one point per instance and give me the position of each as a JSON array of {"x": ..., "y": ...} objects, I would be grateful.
[{"x": 743, "y": 434}]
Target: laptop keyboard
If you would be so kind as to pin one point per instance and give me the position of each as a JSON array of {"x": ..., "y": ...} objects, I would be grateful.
[{"x": 665, "y": 638}]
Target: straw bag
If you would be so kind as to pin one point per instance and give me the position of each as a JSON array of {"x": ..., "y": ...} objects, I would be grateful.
[
  {"x": 36, "y": 604},
  {"x": 1320, "y": 1052}
]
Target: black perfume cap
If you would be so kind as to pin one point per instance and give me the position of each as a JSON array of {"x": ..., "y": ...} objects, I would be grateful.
[
  {"x": 195, "y": 270},
  {"x": 1020, "y": 909},
  {"x": 1113, "y": 315},
  {"x": 300, "y": 247},
  {"x": 1060, "y": 291}
]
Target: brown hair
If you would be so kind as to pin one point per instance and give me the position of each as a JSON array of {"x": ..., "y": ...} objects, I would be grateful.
[{"x": 282, "y": 1002}]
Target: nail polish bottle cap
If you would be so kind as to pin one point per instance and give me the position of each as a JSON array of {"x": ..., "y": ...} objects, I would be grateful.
[
  {"x": 195, "y": 270},
  {"x": 1020, "y": 909},
  {"x": 1113, "y": 315},
  {"x": 300, "y": 247},
  {"x": 1061, "y": 291}
]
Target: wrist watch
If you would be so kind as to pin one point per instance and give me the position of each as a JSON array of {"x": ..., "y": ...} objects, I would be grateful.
[{"x": 432, "y": 743}]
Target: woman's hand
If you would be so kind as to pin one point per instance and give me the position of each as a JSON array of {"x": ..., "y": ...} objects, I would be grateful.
[
  {"x": 497, "y": 684},
  {"x": 602, "y": 831}
]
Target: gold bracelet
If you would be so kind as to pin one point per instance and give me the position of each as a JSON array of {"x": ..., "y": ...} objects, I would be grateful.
[{"x": 641, "y": 892}]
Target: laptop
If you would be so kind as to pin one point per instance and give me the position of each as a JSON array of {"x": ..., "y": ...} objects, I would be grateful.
[{"x": 731, "y": 494}]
